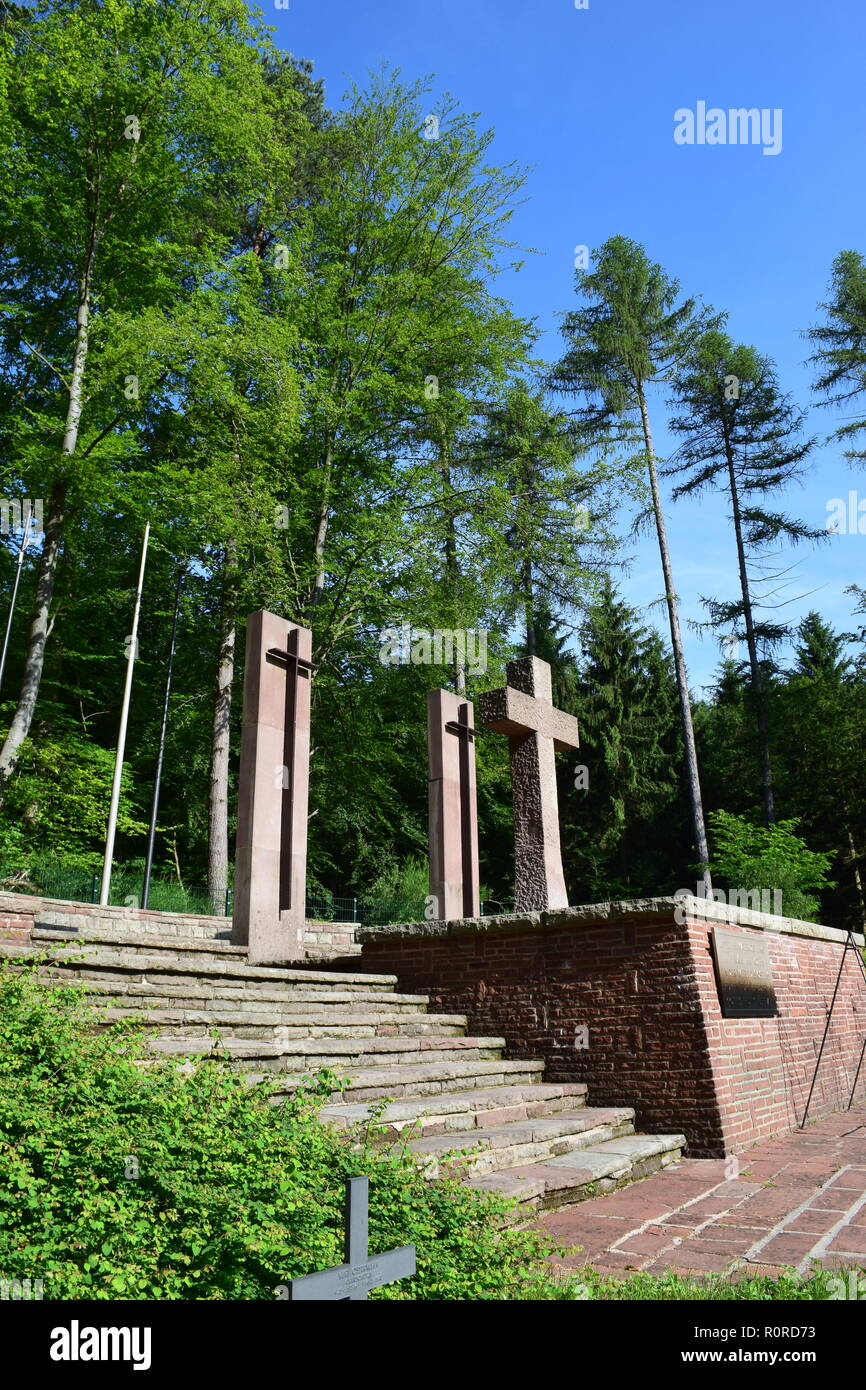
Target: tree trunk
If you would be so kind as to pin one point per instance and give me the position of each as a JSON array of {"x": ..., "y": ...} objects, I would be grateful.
[
  {"x": 46, "y": 574},
  {"x": 40, "y": 627},
  {"x": 528, "y": 608},
  {"x": 322, "y": 533},
  {"x": 527, "y": 501},
  {"x": 754, "y": 664},
  {"x": 855, "y": 869},
  {"x": 697, "y": 810},
  {"x": 452, "y": 563},
  {"x": 218, "y": 800}
]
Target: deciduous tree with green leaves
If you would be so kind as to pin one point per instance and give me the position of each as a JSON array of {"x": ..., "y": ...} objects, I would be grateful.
[
  {"x": 133, "y": 130},
  {"x": 751, "y": 857}
]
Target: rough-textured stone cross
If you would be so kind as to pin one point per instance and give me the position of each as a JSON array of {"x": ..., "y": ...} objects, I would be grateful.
[
  {"x": 524, "y": 711},
  {"x": 273, "y": 789},
  {"x": 452, "y": 809},
  {"x": 361, "y": 1272}
]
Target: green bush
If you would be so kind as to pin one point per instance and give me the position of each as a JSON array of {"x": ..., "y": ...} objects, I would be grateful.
[
  {"x": 233, "y": 1195},
  {"x": 400, "y": 880},
  {"x": 749, "y": 857}
]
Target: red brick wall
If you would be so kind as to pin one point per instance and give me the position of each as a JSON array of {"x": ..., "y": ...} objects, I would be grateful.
[
  {"x": 646, "y": 992},
  {"x": 763, "y": 1067}
]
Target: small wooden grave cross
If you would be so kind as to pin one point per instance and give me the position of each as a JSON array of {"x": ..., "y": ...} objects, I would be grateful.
[{"x": 352, "y": 1281}]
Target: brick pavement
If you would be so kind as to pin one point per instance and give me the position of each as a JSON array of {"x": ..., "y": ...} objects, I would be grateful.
[{"x": 794, "y": 1201}]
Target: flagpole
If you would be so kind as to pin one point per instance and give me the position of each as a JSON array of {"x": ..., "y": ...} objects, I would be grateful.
[
  {"x": 151, "y": 834},
  {"x": 121, "y": 737}
]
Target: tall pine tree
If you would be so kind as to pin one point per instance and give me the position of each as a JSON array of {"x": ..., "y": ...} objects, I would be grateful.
[
  {"x": 622, "y": 831},
  {"x": 628, "y": 336},
  {"x": 742, "y": 436},
  {"x": 840, "y": 348}
]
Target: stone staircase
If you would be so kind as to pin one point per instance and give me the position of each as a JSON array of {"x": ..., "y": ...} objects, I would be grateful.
[{"x": 446, "y": 1092}]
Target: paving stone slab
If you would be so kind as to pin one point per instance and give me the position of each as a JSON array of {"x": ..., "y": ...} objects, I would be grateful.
[{"x": 654, "y": 1227}]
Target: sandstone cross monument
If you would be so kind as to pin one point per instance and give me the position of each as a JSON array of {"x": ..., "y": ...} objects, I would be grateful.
[
  {"x": 524, "y": 711},
  {"x": 452, "y": 811},
  {"x": 271, "y": 855}
]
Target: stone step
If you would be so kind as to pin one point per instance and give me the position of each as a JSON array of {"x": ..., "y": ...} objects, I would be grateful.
[
  {"x": 434, "y": 1078},
  {"x": 45, "y": 932},
  {"x": 281, "y": 1004},
  {"x": 351, "y": 949},
  {"x": 478, "y": 1109},
  {"x": 325, "y": 1023},
  {"x": 522, "y": 1142},
  {"x": 310, "y": 1054},
  {"x": 108, "y": 962},
  {"x": 460, "y": 1106},
  {"x": 585, "y": 1172}
]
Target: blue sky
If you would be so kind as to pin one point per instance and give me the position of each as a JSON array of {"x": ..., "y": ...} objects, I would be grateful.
[{"x": 586, "y": 98}]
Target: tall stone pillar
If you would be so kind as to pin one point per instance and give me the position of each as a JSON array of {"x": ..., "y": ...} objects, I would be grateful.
[
  {"x": 453, "y": 813},
  {"x": 273, "y": 791}
]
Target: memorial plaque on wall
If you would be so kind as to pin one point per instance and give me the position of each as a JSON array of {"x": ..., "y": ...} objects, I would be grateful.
[{"x": 743, "y": 975}]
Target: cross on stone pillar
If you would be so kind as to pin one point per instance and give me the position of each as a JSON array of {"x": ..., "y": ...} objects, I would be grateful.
[
  {"x": 524, "y": 711},
  {"x": 452, "y": 810},
  {"x": 353, "y": 1280},
  {"x": 273, "y": 788}
]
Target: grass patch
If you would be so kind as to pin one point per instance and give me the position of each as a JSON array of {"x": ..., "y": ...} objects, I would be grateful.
[{"x": 668, "y": 1288}]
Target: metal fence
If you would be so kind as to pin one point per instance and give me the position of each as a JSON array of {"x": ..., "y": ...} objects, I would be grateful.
[
  {"x": 82, "y": 886},
  {"x": 167, "y": 895}
]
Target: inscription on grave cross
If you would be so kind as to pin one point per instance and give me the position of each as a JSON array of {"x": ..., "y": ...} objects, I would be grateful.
[
  {"x": 352, "y": 1281},
  {"x": 523, "y": 710}
]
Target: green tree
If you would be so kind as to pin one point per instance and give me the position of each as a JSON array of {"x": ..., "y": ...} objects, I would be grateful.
[
  {"x": 395, "y": 254},
  {"x": 821, "y": 707},
  {"x": 133, "y": 127},
  {"x": 547, "y": 509},
  {"x": 727, "y": 743},
  {"x": 819, "y": 650},
  {"x": 840, "y": 346},
  {"x": 621, "y": 833},
  {"x": 627, "y": 337},
  {"x": 220, "y": 430},
  {"x": 743, "y": 437},
  {"x": 753, "y": 858}
]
